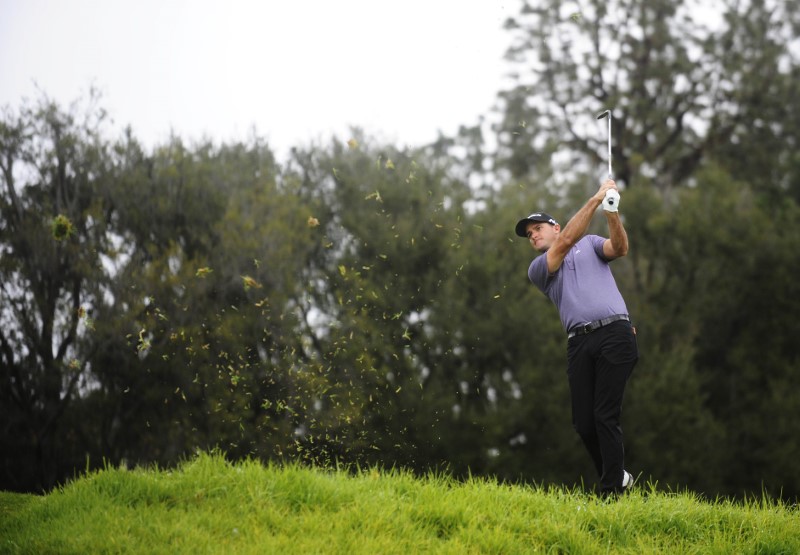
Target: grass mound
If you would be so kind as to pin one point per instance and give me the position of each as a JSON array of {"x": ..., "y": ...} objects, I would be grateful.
[{"x": 208, "y": 505}]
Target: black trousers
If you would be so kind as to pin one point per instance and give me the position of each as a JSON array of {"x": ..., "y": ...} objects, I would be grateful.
[{"x": 598, "y": 366}]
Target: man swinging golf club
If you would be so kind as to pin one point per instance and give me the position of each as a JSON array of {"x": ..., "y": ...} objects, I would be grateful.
[{"x": 573, "y": 271}]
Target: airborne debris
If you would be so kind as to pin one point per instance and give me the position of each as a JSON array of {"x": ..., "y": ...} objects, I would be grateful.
[
  {"x": 62, "y": 228},
  {"x": 250, "y": 283},
  {"x": 144, "y": 343},
  {"x": 312, "y": 221}
]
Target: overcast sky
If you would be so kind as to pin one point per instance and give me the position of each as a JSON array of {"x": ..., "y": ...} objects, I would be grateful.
[{"x": 296, "y": 70}]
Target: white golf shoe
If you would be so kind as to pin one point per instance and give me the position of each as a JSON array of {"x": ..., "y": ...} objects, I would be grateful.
[{"x": 627, "y": 480}]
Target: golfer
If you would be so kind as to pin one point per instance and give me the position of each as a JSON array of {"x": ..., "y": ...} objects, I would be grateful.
[{"x": 573, "y": 271}]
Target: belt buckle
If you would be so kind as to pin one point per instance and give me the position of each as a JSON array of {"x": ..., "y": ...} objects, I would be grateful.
[{"x": 587, "y": 328}]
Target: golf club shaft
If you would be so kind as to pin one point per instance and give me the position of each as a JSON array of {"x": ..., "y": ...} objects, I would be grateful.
[
  {"x": 610, "y": 175},
  {"x": 607, "y": 114}
]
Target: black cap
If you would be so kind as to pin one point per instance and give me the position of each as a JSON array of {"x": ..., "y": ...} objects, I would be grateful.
[{"x": 535, "y": 217}]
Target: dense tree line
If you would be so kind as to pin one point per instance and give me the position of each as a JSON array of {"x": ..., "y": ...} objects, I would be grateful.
[{"x": 360, "y": 303}]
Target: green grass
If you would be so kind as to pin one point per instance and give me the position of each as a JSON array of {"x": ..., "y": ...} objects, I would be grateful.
[{"x": 208, "y": 505}]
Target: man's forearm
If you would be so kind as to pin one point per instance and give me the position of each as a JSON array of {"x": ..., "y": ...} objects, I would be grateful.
[
  {"x": 579, "y": 223},
  {"x": 617, "y": 234}
]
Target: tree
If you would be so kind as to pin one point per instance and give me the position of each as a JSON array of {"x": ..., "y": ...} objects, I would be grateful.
[
  {"x": 684, "y": 87},
  {"x": 705, "y": 134},
  {"x": 214, "y": 354},
  {"x": 55, "y": 204},
  {"x": 391, "y": 217}
]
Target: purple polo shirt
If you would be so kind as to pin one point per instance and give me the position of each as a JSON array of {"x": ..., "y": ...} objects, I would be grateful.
[{"x": 583, "y": 288}]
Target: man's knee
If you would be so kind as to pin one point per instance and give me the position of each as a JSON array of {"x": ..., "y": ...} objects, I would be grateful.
[{"x": 585, "y": 428}]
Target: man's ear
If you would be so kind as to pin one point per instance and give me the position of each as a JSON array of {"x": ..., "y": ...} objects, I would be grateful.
[{"x": 557, "y": 227}]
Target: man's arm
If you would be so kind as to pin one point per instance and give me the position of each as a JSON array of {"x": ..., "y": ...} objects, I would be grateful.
[
  {"x": 617, "y": 244},
  {"x": 577, "y": 226}
]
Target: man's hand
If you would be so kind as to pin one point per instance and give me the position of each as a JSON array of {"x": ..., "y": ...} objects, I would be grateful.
[{"x": 607, "y": 185}]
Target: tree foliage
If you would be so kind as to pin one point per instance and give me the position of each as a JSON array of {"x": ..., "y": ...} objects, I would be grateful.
[{"x": 360, "y": 303}]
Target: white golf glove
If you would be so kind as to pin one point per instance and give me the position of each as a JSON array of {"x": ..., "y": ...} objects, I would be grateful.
[{"x": 611, "y": 201}]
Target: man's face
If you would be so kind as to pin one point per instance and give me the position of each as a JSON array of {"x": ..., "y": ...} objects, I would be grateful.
[{"x": 541, "y": 235}]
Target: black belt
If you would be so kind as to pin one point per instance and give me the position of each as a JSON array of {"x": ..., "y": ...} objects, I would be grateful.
[{"x": 583, "y": 329}]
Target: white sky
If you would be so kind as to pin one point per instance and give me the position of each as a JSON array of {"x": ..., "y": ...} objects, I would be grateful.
[{"x": 296, "y": 70}]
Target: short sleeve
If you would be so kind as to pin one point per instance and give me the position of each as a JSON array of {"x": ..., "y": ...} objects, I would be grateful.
[{"x": 537, "y": 272}]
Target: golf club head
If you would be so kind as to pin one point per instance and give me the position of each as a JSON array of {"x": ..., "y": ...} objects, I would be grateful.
[{"x": 604, "y": 114}]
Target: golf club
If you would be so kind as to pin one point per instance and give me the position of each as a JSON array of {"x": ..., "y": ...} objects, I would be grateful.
[{"x": 601, "y": 116}]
